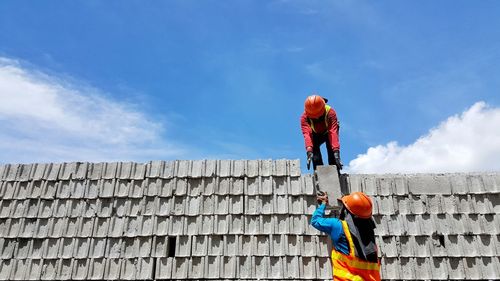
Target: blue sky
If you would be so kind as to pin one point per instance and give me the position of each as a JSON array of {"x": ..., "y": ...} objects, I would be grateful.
[{"x": 411, "y": 81}]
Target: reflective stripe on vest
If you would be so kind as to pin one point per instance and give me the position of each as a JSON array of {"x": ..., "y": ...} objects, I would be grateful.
[
  {"x": 350, "y": 267},
  {"x": 311, "y": 123}
]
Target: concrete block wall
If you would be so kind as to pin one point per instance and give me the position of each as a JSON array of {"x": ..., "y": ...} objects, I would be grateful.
[{"x": 232, "y": 219}]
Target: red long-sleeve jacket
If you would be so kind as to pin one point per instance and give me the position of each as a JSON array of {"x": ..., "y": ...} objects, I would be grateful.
[{"x": 330, "y": 127}]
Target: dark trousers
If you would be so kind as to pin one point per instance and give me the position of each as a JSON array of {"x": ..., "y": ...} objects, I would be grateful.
[{"x": 318, "y": 140}]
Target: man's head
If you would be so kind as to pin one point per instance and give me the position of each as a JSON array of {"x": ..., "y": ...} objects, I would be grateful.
[
  {"x": 358, "y": 204},
  {"x": 314, "y": 106}
]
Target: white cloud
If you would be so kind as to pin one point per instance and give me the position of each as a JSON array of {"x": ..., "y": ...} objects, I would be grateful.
[
  {"x": 466, "y": 143},
  {"x": 45, "y": 118}
]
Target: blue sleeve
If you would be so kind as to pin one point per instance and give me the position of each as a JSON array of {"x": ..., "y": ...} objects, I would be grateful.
[
  {"x": 320, "y": 223},
  {"x": 332, "y": 226}
]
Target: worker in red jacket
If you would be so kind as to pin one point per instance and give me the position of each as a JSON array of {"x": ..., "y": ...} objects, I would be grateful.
[{"x": 320, "y": 125}]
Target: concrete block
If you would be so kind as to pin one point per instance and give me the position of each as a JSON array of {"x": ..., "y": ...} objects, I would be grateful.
[
  {"x": 130, "y": 248},
  {"x": 439, "y": 269},
  {"x": 489, "y": 267},
  {"x": 86, "y": 227},
  {"x": 199, "y": 245},
  {"x": 294, "y": 168},
  {"x": 280, "y": 167},
  {"x": 114, "y": 248},
  {"x": 231, "y": 245},
  {"x": 101, "y": 226},
  {"x": 51, "y": 248},
  {"x": 138, "y": 171},
  {"x": 282, "y": 225},
  {"x": 183, "y": 168},
  {"x": 116, "y": 227},
  {"x": 132, "y": 227},
  {"x": 246, "y": 245},
  {"x": 224, "y": 186},
  {"x": 459, "y": 184},
  {"x": 15, "y": 228},
  {"x": 154, "y": 169},
  {"x": 277, "y": 245},
  {"x": 194, "y": 205},
  {"x": 22, "y": 191},
  {"x": 252, "y": 168},
  {"x": 6, "y": 208},
  {"x": 207, "y": 225},
  {"x": 369, "y": 184},
  {"x": 176, "y": 225},
  {"x": 66, "y": 248},
  {"x": 236, "y": 224},
  {"x": 152, "y": 186},
  {"x": 251, "y": 205},
  {"x": 429, "y": 184},
  {"x": 252, "y": 186},
  {"x": 80, "y": 269},
  {"x": 276, "y": 269},
  {"x": 224, "y": 168},
  {"x": 196, "y": 268},
  {"x": 407, "y": 268},
  {"x": 164, "y": 268},
  {"x": 180, "y": 268},
  {"x": 228, "y": 267},
  {"x": 222, "y": 205},
  {"x": 298, "y": 224},
  {"x": 309, "y": 204},
  {"x": 252, "y": 224},
  {"x": 261, "y": 246},
  {"x": 193, "y": 224},
  {"x": 267, "y": 186},
  {"x": 266, "y": 167},
  {"x": 216, "y": 245},
  {"x": 163, "y": 206},
  {"x": 109, "y": 170},
  {"x": 238, "y": 169},
  {"x": 67, "y": 170},
  {"x": 280, "y": 185},
  {"x": 48, "y": 190},
  {"x": 32, "y": 206},
  {"x": 236, "y": 204},
  {"x": 97, "y": 247},
  {"x": 323, "y": 247},
  {"x": 265, "y": 204},
  {"x": 292, "y": 267},
  {"x": 222, "y": 224},
  {"x": 295, "y": 186},
  {"x": 195, "y": 186},
  {"x": 82, "y": 247},
  {"x": 160, "y": 246},
  {"x": 238, "y": 186},
  {"x": 210, "y": 186},
  {"x": 308, "y": 185},
  {"x": 266, "y": 224},
  {"x": 183, "y": 246},
  {"x": 92, "y": 190},
  {"x": 328, "y": 181},
  {"x": 19, "y": 208},
  {"x": 168, "y": 169},
  {"x": 212, "y": 267},
  {"x": 34, "y": 270},
  {"x": 129, "y": 268},
  {"x": 149, "y": 206},
  {"x": 94, "y": 171},
  {"x": 296, "y": 204},
  {"x": 106, "y": 188},
  {"x": 96, "y": 269},
  {"x": 491, "y": 182},
  {"x": 308, "y": 268},
  {"x": 136, "y": 189},
  {"x": 309, "y": 246},
  {"x": 112, "y": 269},
  {"x": 7, "y": 248},
  {"x": 179, "y": 205},
  {"x": 49, "y": 269},
  {"x": 281, "y": 204},
  {"x": 52, "y": 172},
  {"x": 389, "y": 269},
  {"x": 122, "y": 187},
  {"x": 324, "y": 268},
  {"x": 197, "y": 169},
  {"x": 245, "y": 268},
  {"x": 294, "y": 245},
  {"x": 476, "y": 184},
  {"x": 23, "y": 248},
  {"x": 11, "y": 171},
  {"x": 261, "y": 267},
  {"x": 9, "y": 190}
]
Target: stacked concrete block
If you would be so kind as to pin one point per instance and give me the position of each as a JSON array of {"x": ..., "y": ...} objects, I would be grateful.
[
  {"x": 204, "y": 219},
  {"x": 436, "y": 226}
]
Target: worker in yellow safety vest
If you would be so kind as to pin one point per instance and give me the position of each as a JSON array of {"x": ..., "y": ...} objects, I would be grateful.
[{"x": 354, "y": 254}]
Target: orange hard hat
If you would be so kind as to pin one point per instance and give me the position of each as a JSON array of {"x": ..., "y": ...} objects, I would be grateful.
[
  {"x": 314, "y": 106},
  {"x": 359, "y": 204}
]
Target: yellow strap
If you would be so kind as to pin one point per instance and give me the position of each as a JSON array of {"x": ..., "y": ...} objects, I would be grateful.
[
  {"x": 347, "y": 275},
  {"x": 349, "y": 238},
  {"x": 359, "y": 264},
  {"x": 327, "y": 109}
]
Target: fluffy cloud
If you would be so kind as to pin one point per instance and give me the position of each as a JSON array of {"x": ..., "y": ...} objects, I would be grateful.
[
  {"x": 46, "y": 118},
  {"x": 463, "y": 143}
]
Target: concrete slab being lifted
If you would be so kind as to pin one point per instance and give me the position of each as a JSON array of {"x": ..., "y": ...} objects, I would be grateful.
[{"x": 327, "y": 180}]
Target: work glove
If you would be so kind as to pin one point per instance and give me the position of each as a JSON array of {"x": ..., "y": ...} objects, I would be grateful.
[
  {"x": 309, "y": 156},
  {"x": 336, "y": 156},
  {"x": 322, "y": 197}
]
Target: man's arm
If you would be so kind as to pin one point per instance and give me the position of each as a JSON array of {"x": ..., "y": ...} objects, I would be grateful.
[
  {"x": 333, "y": 129},
  {"x": 306, "y": 132},
  {"x": 321, "y": 223}
]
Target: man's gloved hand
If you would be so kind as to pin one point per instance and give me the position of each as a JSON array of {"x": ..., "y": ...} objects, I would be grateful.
[
  {"x": 338, "y": 163},
  {"x": 309, "y": 155},
  {"x": 322, "y": 197}
]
